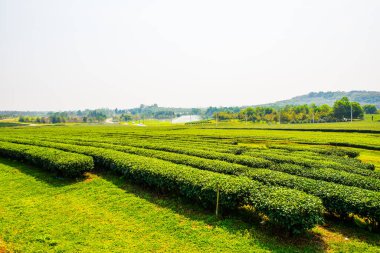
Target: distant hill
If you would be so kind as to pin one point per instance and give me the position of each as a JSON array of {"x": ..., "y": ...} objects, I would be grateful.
[{"x": 363, "y": 97}]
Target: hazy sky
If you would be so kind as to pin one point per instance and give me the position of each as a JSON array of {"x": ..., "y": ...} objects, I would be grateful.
[{"x": 60, "y": 55}]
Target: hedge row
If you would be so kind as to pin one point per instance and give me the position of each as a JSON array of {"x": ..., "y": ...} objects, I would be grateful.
[
  {"x": 326, "y": 174},
  {"x": 368, "y": 181},
  {"x": 243, "y": 160},
  {"x": 331, "y": 160},
  {"x": 67, "y": 164},
  {"x": 353, "y": 145},
  {"x": 194, "y": 161},
  {"x": 154, "y": 143},
  {"x": 325, "y": 151},
  {"x": 330, "y": 175},
  {"x": 199, "y": 122},
  {"x": 338, "y": 199},
  {"x": 306, "y": 159},
  {"x": 323, "y": 157},
  {"x": 290, "y": 209},
  {"x": 327, "y": 157},
  {"x": 310, "y": 163},
  {"x": 287, "y": 208},
  {"x": 336, "y": 130}
]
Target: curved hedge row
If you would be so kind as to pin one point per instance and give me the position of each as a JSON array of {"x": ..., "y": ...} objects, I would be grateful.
[
  {"x": 353, "y": 145},
  {"x": 325, "y": 151},
  {"x": 68, "y": 164},
  {"x": 243, "y": 160},
  {"x": 326, "y": 174},
  {"x": 313, "y": 159},
  {"x": 353, "y": 166},
  {"x": 194, "y": 161},
  {"x": 331, "y": 161},
  {"x": 290, "y": 209},
  {"x": 330, "y": 175},
  {"x": 218, "y": 152},
  {"x": 342, "y": 163},
  {"x": 339, "y": 199},
  {"x": 327, "y": 157}
]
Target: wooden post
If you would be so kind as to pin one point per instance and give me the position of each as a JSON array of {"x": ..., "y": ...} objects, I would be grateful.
[{"x": 217, "y": 202}]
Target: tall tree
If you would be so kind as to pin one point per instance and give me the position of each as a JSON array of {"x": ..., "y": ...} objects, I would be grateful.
[
  {"x": 357, "y": 110},
  {"x": 342, "y": 108}
]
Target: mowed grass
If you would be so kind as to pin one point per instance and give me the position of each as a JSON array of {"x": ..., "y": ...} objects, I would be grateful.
[{"x": 105, "y": 213}]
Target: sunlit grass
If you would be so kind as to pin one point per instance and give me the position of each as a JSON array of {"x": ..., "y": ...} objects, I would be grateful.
[
  {"x": 371, "y": 156},
  {"x": 105, "y": 213}
]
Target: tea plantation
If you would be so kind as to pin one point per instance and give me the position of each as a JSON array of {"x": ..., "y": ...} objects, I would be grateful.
[{"x": 123, "y": 188}]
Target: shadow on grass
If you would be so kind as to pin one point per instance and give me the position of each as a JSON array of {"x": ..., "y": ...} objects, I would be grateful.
[
  {"x": 240, "y": 223},
  {"x": 268, "y": 238},
  {"x": 40, "y": 174},
  {"x": 352, "y": 229},
  {"x": 11, "y": 124}
]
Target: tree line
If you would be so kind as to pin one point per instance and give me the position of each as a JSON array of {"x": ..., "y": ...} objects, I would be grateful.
[
  {"x": 340, "y": 111},
  {"x": 87, "y": 116}
]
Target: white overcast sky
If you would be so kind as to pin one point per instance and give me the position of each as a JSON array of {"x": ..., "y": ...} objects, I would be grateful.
[{"x": 71, "y": 54}]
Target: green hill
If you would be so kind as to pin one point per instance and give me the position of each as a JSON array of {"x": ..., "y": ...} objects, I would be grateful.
[{"x": 363, "y": 97}]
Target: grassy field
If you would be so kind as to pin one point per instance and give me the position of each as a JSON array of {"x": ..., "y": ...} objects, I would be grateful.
[
  {"x": 360, "y": 125},
  {"x": 104, "y": 211}
]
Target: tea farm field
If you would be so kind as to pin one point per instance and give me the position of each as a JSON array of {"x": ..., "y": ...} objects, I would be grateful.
[{"x": 118, "y": 188}]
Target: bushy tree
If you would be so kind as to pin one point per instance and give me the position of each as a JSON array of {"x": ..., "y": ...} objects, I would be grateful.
[
  {"x": 342, "y": 109},
  {"x": 97, "y": 115},
  {"x": 21, "y": 119},
  {"x": 126, "y": 117},
  {"x": 226, "y": 115},
  {"x": 323, "y": 113},
  {"x": 247, "y": 113},
  {"x": 357, "y": 111},
  {"x": 370, "y": 109}
]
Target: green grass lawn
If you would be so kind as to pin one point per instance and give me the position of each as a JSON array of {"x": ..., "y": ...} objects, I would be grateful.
[{"x": 105, "y": 213}]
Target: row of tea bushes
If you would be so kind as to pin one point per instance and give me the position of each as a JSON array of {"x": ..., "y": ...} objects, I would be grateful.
[
  {"x": 279, "y": 163},
  {"x": 61, "y": 162},
  {"x": 338, "y": 199},
  {"x": 324, "y": 151},
  {"x": 290, "y": 209},
  {"x": 330, "y": 175},
  {"x": 243, "y": 160},
  {"x": 306, "y": 160}
]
